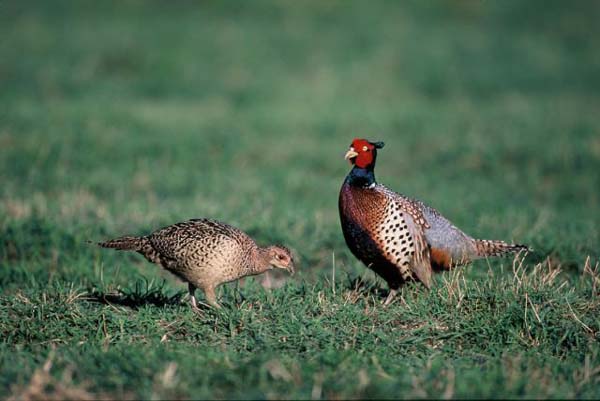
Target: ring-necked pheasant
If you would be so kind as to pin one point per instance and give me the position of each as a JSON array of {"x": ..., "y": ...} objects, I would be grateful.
[
  {"x": 400, "y": 238},
  {"x": 205, "y": 253}
]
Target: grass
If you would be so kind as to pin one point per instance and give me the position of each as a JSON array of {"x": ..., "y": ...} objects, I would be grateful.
[{"x": 121, "y": 117}]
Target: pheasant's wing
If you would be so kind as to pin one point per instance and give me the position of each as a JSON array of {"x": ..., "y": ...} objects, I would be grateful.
[
  {"x": 402, "y": 235},
  {"x": 170, "y": 241},
  {"x": 421, "y": 262},
  {"x": 182, "y": 240},
  {"x": 176, "y": 241}
]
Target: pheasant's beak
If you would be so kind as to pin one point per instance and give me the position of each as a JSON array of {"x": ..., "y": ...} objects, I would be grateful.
[
  {"x": 291, "y": 268},
  {"x": 350, "y": 154}
]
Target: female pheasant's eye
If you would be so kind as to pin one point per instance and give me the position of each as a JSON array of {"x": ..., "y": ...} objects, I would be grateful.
[
  {"x": 277, "y": 256},
  {"x": 365, "y": 148}
]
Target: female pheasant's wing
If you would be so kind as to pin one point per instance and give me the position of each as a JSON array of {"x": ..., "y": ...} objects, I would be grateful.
[
  {"x": 192, "y": 237},
  {"x": 402, "y": 238}
]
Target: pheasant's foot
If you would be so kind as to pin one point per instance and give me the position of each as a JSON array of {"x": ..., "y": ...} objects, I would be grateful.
[
  {"x": 211, "y": 297},
  {"x": 192, "y": 291},
  {"x": 390, "y": 297}
]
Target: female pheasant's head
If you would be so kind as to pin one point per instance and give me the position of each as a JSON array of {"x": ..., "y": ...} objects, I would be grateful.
[
  {"x": 281, "y": 257},
  {"x": 363, "y": 153}
]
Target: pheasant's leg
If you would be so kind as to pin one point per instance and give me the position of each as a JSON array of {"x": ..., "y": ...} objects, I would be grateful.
[
  {"x": 192, "y": 291},
  {"x": 211, "y": 298},
  {"x": 390, "y": 297}
]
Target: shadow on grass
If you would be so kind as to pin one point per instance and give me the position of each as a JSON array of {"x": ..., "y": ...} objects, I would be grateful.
[
  {"x": 141, "y": 295},
  {"x": 377, "y": 289}
]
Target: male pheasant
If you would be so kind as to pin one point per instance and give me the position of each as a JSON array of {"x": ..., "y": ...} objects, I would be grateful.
[
  {"x": 205, "y": 253},
  {"x": 400, "y": 238}
]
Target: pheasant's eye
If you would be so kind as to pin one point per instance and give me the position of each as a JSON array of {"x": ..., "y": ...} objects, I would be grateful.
[
  {"x": 365, "y": 148},
  {"x": 277, "y": 256}
]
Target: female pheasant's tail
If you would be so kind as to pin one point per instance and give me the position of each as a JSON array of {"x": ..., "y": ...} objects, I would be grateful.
[
  {"x": 136, "y": 244},
  {"x": 125, "y": 243},
  {"x": 486, "y": 248}
]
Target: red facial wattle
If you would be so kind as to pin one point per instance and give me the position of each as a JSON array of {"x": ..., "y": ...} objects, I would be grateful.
[
  {"x": 364, "y": 159},
  {"x": 361, "y": 153}
]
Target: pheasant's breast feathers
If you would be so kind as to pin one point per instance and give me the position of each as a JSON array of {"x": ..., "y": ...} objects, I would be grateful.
[{"x": 394, "y": 224}]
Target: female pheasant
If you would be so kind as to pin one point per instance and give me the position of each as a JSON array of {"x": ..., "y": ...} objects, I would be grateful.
[
  {"x": 400, "y": 238},
  {"x": 205, "y": 253}
]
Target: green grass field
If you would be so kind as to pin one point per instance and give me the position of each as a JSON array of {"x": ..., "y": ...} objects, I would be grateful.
[{"x": 122, "y": 117}]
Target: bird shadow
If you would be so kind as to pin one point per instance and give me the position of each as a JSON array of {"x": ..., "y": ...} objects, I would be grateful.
[
  {"x": 374, "y": 288},
  {"x": 365, "y": 288},
  {"x": 142, "y": 294}
]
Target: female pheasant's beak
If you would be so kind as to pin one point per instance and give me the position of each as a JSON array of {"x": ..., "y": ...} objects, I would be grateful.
[
  {"x": 289, "y": 266},
  {"x": 291, "y": 269},
  {"x": 350, "y": 154},
  {"x": 283, "y": 260}
]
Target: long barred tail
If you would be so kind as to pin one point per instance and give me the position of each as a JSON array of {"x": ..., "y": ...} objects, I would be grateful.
[
  {"x": 126, "y": 243},
  {"x": 487, "y": 248},
  {"x": 136, "y": 244}
]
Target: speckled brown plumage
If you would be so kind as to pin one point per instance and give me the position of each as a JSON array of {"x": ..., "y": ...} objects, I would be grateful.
[
  {"x": 400, "y": 238},
  {"x": 205, "y": 253}
]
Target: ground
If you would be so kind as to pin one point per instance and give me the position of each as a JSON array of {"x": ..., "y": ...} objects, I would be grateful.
[{"x": 122, "y": 117}]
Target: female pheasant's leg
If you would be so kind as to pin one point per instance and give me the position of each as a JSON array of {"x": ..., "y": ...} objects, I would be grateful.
[
  {"x": 192, "y": 291},
  {"x": 211, "y": 298},
  {"x": 390, "y": 297}
]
